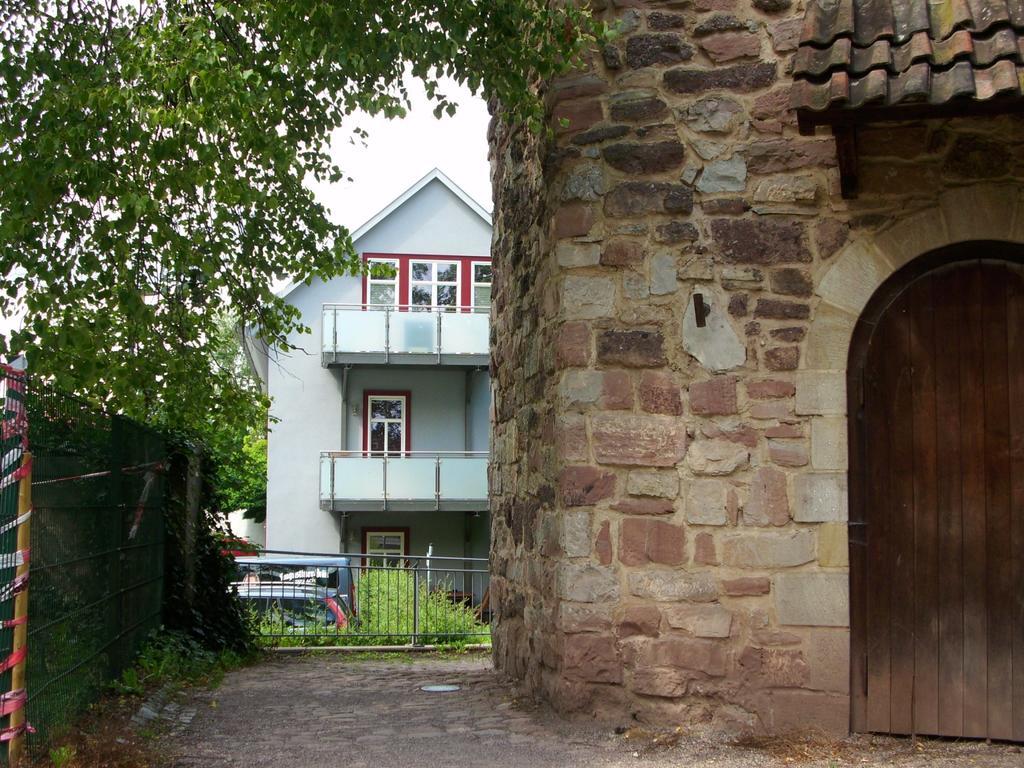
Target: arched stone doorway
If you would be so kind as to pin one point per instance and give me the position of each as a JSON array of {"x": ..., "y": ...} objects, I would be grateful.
[{"x": 935, "y": 378}]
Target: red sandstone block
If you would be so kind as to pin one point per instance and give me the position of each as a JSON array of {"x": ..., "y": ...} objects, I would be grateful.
[
  {"x": 572, "y": 346},
  {"x": 616, "y": 391},
  {"x": 751, "y": 585},
  {"x": 770, "y": 388},
  {"x": 573, "y": 220},
  {"x": 704, "y": 550},
  {"x": 581, "y": 486},
  {"x": 645, "y": 506},
  {"x": 603, "y": 544},
  {"x": 639, "y": 620},
  {"x": 592, "y": 658},
  {"x": 659, "y": 393},
  {"x": 714, "y": 397}
]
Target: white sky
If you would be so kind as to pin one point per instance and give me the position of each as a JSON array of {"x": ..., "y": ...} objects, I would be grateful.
[{"x": 398, "y": 153}]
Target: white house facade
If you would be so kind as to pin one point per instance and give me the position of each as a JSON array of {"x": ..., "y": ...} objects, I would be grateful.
[{"x": 381, "y": 416}]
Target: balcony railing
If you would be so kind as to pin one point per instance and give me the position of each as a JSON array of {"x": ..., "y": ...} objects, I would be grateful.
[
  {"x": 354, "y": 481},
  {"x": 374, "y": 333}
]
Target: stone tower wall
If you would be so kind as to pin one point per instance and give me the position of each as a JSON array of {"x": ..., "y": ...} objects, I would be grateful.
[{"x": 670, "y": 501}]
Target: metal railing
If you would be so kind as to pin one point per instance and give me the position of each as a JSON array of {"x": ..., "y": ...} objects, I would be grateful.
[
  {"x": 301, "y": 599},
  {"x": 379, "y": 333},
  {"x": 410, "y": 481}
]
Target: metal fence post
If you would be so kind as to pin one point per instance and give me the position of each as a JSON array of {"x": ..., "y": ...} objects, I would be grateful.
[{"x": 416, "y": 604}]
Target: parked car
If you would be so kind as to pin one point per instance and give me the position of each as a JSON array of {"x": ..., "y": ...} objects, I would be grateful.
[
  {"x": 305, "y": 590},
  {"x": 296, "y": 606}
]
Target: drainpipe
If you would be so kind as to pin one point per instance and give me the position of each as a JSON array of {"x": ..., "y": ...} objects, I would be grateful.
[
  {"x": 344, "y": 407},
  {"x": 465, "y": 411}
]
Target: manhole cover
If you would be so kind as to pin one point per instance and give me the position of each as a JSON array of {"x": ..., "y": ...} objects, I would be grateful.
[{"x": 440, "y": 688}]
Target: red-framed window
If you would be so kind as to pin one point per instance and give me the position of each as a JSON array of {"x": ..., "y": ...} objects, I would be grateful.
[
  {"x": 386, "y": 422},
  {"x": 429, "y": 280}
]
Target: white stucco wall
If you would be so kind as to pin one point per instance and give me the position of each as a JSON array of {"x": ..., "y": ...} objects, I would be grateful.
[{"x": 307, "y": 398}]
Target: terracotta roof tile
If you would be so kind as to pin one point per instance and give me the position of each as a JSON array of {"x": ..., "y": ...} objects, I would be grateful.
[{"x": 855, "y": 53}]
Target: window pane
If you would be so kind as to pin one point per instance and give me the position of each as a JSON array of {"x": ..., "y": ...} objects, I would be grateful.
[
  {"x": 482, "y": 296},
  {"x": 448, "y": 273},
  {"x": 394, "y": 436},
  {"x": 382, "y": 294},
  {"x": 446, "y": 295},
  {"x": 392, "y": 409},
  {"x": 377, "y": 437},
  {"x": 421, "y": 296},
  {"x": 482, "y": 273},
  {"x": 420, "y": 270},
  {"x": 383, "y": 270}
]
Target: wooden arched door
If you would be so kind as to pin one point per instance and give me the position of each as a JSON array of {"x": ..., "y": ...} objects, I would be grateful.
[{"x": 936, "y": 386}]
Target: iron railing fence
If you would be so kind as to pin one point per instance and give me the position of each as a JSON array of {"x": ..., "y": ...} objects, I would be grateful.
[
  {"x": 97, "y": 552},
  {"x": 299, "y": 599}
]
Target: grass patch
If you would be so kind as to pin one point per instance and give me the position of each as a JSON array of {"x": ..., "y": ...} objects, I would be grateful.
[{"x": 176, "y": 660}]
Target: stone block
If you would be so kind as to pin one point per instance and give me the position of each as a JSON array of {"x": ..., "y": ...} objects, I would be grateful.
[
  {"x": 653, "y": 49},
  {"x": 636, "y": 620},
  {"x": 788, "y": 453},
  {"x": 584, "y": 486},
  {"x": 706, "y": 656},
  {"x": 779, "y": 309},
  {"x": 774, "y": 667},
  {"x": 580, "y": 388},
  {"x": 760, "y": 241},
  {"x": 663, "y": 274},
  {"x": 704, "y": 552},
  {"x": 573, "y": 220},
  {"x": 584, "y": 617},
  {"x": 795, "y": 712},
  {"x": 603, "y": 544},
  {"x": 586, "y": 297},
  {"x": 631, "y": 348},
  {"x": 716, "y": 457},
  {"x": 820, "y": 497},
  {"x": 570, "y": 254},
  {"x": 644, "y": 506},
  {"x": 644, "y": 159},
  {"x": 700, "y": 620},
  {"x": 592, "y": 658},
  {"x": 820, "y": 392},
  {"x": 715, "y": 396},
  {"x": 827, "y": 652},
  {"x": 723, "y": 176},
  {"x": 742, "y": 78},
  {"x": 571, "y": 438},
  {"x": 716, "y": 345},
  {"x": 572, "y": 347},
  {"x": 979, "y": 212},
  {"x": 664, "y": 683},
  {"x": 714, "y": 114},
  {"x": 646, "y": 482},
  {"x": 727, "y": 46},
  {"x": 643, "y": 540},
  {"x": 828, "y": 442},
  {"x": 616, "y": 391},
  {"x": 828, "y": 340},
  {"x": 854, "y": 276},
  {"x": 622, "y": 253},
  {"x": 782, "y": 359},
  {"x": 644, "y": 440},
  {"x": 769, "y": 502},
  {"x": 769, "y": 550},
  {"x": 747, "y": 586},
  {"x": 574, "y": 537},
  {"x": 584, "y": 583},
  {"x": 706, "y": 502},
  {"x": 812, "y": 599},
  {"x": 659, "y": 393},
  {"x": 770, "y": 388},
  {"x": 673, "y": 586},
  {"x": 833, "y": 545}
]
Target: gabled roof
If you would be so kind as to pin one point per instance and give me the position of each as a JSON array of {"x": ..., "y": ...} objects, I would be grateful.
[
  {"x": 398, "y": 202},
  {"x": 877, "y": 55}
]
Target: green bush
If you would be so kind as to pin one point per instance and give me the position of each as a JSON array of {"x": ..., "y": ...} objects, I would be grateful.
[
  {"x": 176, "y": 659},
  {"x": 385, "y": 607}
]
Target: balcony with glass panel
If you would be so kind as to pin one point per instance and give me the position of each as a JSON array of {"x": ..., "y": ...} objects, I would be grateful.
[
  {"x": 361, "y": 481},
  {"x": 410, "y": 335}
]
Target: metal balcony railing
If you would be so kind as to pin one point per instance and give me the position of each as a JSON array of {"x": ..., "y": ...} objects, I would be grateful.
[
  {"x": 375, "y": 333},
  {"x": 354, "y": 481}
]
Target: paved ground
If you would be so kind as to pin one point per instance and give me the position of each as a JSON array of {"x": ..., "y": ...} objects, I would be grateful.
[{"x": 320, "y": 711}]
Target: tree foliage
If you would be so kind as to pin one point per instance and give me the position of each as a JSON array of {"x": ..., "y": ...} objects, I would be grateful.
[{"x": 153, "y": 160}]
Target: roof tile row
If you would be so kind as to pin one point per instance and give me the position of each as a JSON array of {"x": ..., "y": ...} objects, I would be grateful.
[{"x": 855, "y": 53}]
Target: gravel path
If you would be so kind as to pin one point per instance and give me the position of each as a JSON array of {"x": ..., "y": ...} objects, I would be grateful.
[{"x": 332, "y": 710}]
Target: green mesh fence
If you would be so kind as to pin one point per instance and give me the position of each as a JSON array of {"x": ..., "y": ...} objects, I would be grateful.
[{"x": 96, "y": 575}]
